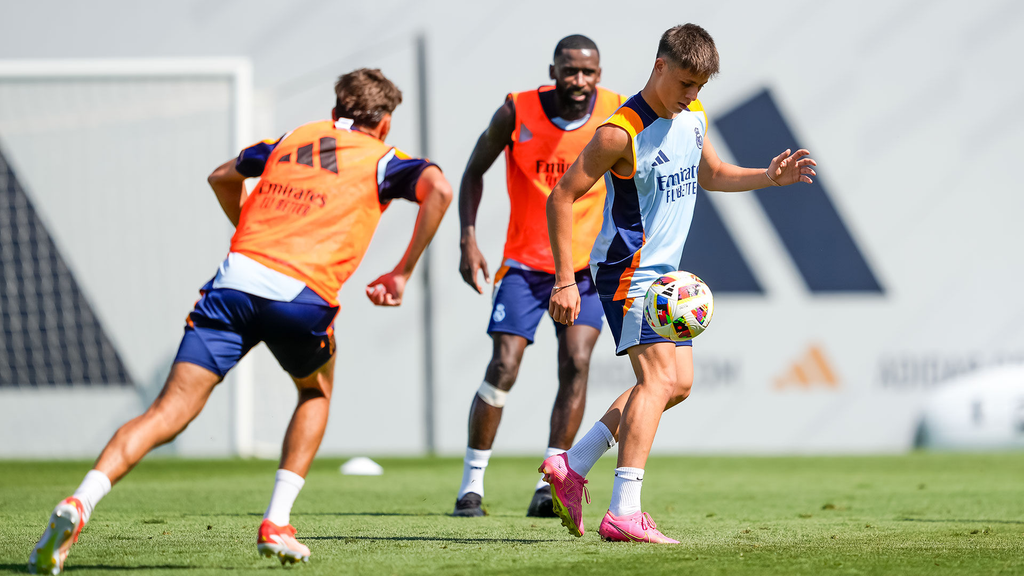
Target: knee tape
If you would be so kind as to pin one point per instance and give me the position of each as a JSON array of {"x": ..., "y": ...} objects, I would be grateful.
[{"x": 492, "y": 395}]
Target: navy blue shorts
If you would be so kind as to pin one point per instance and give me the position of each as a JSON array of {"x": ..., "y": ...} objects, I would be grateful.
[
  {"x": 521, "y": 298},
  {"x": 629, "y": 327},
  {"x": 226, "y": 324}
]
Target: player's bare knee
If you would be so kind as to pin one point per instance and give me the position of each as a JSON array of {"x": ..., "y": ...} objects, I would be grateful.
[
  {"x": 681, "y": 391},
  {"x": 167, "y": 411},
  {"x": 164, "y": 421},
  {"x": 502, "y": 371},
  {"x": 662, "y": 388},
  {"x": 679, "y": 396},
  {"x": 571, "y": 368}
]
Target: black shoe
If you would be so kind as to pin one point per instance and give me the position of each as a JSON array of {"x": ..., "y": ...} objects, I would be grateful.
[
  {"x": 469, "y": 505},
  {"x": 541, "y": 506}
]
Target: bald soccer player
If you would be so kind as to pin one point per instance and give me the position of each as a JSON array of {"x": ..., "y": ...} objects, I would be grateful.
[{"x": 541, "y": 131}]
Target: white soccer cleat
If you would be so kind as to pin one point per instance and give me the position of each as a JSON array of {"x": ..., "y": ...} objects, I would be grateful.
[
  {"x": 274, "y": 540},
  {"x": 61, "y": 532}
]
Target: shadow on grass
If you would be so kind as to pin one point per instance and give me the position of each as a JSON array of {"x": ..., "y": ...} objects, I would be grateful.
[
  {"x": 72, "y": 568},
  {"x": 962, "y": 521},
  {"x": 450, "y": 540},
  {"x": 408, "y": 514},
  {"x": 260, "y": 514}
]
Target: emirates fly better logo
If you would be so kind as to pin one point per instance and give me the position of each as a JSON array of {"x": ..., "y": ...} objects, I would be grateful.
[{"x": 552, "y": 171}]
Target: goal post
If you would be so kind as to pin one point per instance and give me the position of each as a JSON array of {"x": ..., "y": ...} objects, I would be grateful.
[{"x": 33, "y": 92}]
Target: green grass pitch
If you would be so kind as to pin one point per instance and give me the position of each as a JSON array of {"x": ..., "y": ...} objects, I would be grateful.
[{"x": 914, "y": 514}]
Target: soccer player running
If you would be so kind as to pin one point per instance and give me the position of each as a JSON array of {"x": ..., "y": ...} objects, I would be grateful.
[
  {"x": 299, "y": 235},
  {"x": 652, "y": 154},
  {"x": 542, "y": 132}
]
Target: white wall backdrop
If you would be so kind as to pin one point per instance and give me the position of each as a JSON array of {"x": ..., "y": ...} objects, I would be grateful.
[
  {"x": 114, "y": 164},
  {"x": 911, "y": 109}
]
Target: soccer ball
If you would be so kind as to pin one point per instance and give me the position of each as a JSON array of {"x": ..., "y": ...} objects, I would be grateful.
[{"x": 678, "y": 306}]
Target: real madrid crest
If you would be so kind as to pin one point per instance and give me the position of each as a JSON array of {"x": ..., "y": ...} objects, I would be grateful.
[{"x": 700, "y": 140}]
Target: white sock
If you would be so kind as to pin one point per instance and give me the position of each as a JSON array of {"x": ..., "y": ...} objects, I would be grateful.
[
  {"x": 590, "y": 448},
  {"x": 473, "y": 468},
  {"x": 287, "y": 485},
  {"x": 93, "y": 488},
  {"x": 626, "y": 491},
  {"x": 547, "y": 454}
]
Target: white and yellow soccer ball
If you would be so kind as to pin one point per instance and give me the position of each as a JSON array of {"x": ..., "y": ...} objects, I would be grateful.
[{"x": 678, "y": 306}]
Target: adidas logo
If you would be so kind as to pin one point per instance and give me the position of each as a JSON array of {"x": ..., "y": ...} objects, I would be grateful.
[
  {"x": 661, "y": 159},
  {"x": 809, "y": 371}
]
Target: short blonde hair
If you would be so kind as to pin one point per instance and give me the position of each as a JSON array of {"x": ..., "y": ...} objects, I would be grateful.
[
  {"x": 690, "y": 47},
  {"x": 365, "y": 96}
]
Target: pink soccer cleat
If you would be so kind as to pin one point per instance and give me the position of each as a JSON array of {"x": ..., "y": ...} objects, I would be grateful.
[
  {"x": 61, "y": 532},
  {"x": 568, "y": 490},
  {"x": 274, "y": 540},
  {"x": 637, "y": 527}
]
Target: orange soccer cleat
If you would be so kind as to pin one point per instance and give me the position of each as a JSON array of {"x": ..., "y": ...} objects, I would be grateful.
[
  {"x": 61, "y": 532},
  {"x": 274, "y": 540}
]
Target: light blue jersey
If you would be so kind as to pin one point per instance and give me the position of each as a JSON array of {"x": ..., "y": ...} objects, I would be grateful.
[{"x": 647, "y": 214}]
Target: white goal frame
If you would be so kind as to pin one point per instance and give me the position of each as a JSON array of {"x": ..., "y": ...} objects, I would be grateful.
[{"x": 239, "y": 72}]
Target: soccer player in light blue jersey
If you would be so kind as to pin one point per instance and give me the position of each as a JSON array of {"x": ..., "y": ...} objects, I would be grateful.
[{"x": 653, "y": 152}]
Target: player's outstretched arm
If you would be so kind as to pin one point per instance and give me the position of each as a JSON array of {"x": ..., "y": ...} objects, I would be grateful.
[
  {"x": 433, "y": 194},
  {"x": 229, "y": 186},
  {"x": 610, "y": 147},
  {"x": 488, "y": 147},
  {"x": 786, "y": 168}
]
